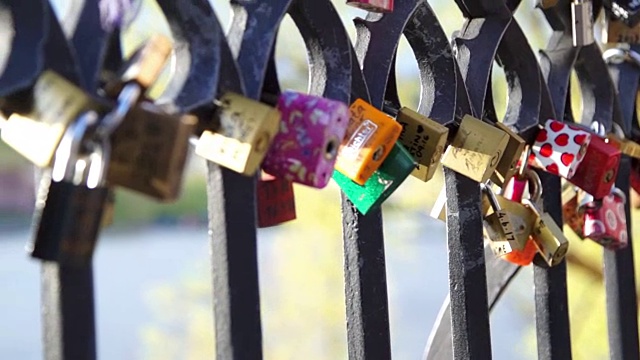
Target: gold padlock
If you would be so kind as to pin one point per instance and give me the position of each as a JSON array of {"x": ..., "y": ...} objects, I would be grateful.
[
  {"x": 626, "y": 146},
  {"x": 425, "y": 140},
  {"x": 548, "y": 237},
  {"x": 476, "y": 149},
  {"x": 546, "y": 4},
  {"x": 618, "y": 32},
  {"x": 56, "y": 103},
  {"x": 149, "y": 151},
  {"x": 498, "y": 227},
  {"x": 144, "y": 66},
  {"x": 508, "y": 165},
  {"x": 247, "y": 128}
]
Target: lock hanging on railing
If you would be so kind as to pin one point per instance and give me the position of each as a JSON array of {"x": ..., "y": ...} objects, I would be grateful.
[
  {"x": 476, "y": 149},
  {"x": 69, "y": 202},
  {"x": 548, "y": 237},
  {"x": 304, "y": 150},
  {"x": 559, "y": 148},
  {"x": 380, "y": 6},
  {"x": 605, "y": 222},
  {"x": 597, "y": 172},
  {"x": 275, "y": 201},
  {"x": 369, "y": 139},
  {"x": 244, "y": 135},
  {"x": 384, "y": 181},
  {"x": 497, "y": 225}
]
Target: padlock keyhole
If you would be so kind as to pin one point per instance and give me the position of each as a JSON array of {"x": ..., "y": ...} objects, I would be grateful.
[{"x": 331, "y": 149}]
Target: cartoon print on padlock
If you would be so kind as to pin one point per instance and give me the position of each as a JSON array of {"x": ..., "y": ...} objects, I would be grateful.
[{"x": 559, "y": 148}]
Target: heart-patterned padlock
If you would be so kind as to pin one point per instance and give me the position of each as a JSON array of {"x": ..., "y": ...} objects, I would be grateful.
[{"x": 559, "y": 148}]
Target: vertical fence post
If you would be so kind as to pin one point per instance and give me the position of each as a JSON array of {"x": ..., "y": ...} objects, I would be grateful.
[{"x": 619, "y": 271}]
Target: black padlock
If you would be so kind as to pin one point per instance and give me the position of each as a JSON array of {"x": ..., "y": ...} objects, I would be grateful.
[{"x": 70, "y": 203}]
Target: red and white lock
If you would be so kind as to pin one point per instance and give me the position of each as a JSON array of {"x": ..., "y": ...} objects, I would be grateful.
[
  {"x": 380, "y": 6},
  {"x": 606, "y": 224},
  {"x": 597, "y": 172},
  {"x": 559, "y": 148}
]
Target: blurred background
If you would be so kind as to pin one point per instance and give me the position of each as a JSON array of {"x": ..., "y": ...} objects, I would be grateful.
[{"x": 152, "y": 270}]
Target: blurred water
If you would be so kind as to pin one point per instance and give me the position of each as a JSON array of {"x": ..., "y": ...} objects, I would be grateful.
[{"x": 128, "y": 266}]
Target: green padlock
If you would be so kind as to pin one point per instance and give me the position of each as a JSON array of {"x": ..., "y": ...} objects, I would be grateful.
[{"x": 384, "y": 181}]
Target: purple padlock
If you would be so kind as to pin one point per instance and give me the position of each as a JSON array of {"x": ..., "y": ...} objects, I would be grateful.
[{"x": 304, "y": 150}]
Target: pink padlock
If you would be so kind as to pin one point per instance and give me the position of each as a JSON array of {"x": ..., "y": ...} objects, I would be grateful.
[
  {"x": 607, "y": 224},
  {"x": 304, "y": 150},
  {"x": 381, "y": 6},
  {"x": 559, "y": 148}
]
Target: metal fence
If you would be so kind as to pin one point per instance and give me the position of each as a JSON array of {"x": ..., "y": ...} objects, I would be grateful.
[{"x": 455, "y": 75}]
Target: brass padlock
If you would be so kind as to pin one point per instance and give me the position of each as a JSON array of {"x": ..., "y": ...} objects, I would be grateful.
[
  {"x": 247, "y": 128},
  {"x": 508, "y": 165},
  {"x": 425, "y": 140},
  {"x": 476, "y": 149},
  {"x": 497, "y": 225},
  {"x": 144, "y": 66},
  {"x": 548, "y": 236},
  {"x": 149, "y": 151},
  {"x": 626, "y": 146},
  {"x": 56, "y": 103},
  {"x": 618, "y": 32}
]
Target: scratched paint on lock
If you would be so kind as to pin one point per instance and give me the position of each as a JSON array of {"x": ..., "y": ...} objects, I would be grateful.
[
  {"x": 304, "y": 150},
  {"x": 393, "y": 171}
]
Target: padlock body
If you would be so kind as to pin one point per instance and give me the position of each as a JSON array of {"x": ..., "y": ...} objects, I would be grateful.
[
  {"x": 619, "y": 32},
  {"x": 547, "y": 4},
  {"x": 508, "y": 165},
  {"x": 394, "y": 170},
  {"x": 626, "y": 146},
  {"x": 275, "y": 201},
  {"x": 370, "y": 136},
  {"x": 597, "y": 172},
  {"x": 607, "y": 224},
  {"x": 246, "y": 130},
  {"x": 522, "y": 218},
  {"x": 497, "y": 227},
  {"x": 581, "y": 14},
  {"x": 149, "y": 152},
  {"x": 56, "y": 104},
  {"x": 381, "y": 6},
  {"x": 572, "y": 217},
  {"x": 425, "y": 140},
  {"x": 305, "y": 149},
  {"x": 559, "y": 148},
  {"x": 549, "y": 239},
  {"x": 66, "y": 222}
]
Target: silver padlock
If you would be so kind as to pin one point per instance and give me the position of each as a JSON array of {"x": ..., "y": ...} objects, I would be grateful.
[{"x": 582, "y": 16}]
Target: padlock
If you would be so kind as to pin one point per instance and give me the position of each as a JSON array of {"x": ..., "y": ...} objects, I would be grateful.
[
  {"x": 304, "y": 150},
  {"x": 246, "y": 129},
  {"x": 384, "y": 181},
  {"x": 55, "y": 103},
  {"x": 581, "y": 15},
  {"x": 559, "y": 148},
  {"x": 368, "y": 141},
  {"x": 548, "y": 237},
  {"x": 619, "y": 32},
  {"x": 149, "y": 151},
  {"x": 571, "y": 215},
  {"x": 476, "y": 149},
  {"x": 514, "y": 191},
  {"x": 597, "y": 172},
  {"x": 380, "y": 6},
  {"x": 546, "y": 4},
  {"x": 425, "y": 140},
  {"x": 508, "y": 165},
  {"x": 497, "y": 226},
  {"x": 626, "y": 11},
  {"x": 69, "y": 203},
  {"x": 275, "y": 201},
  {"x": 607, "y": 224},
  {"x": 143, "y": 67},
  {"x": 626, "y": 146}
]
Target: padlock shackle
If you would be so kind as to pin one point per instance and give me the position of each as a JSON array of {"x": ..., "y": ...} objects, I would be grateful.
[
  {"x": 69, "y": 147},
  {"x": 491, "y": 196}
]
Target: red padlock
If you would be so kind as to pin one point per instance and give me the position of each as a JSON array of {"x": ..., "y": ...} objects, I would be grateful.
[
  {"x": 275, "y": 201},
  {"x": 606, "y": 224},
  {"x": 571, "y": 216},
  {"x": 597, "y": 172}
]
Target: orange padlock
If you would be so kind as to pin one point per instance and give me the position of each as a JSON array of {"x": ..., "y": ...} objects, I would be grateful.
[{"x": 370, "y": 137}]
